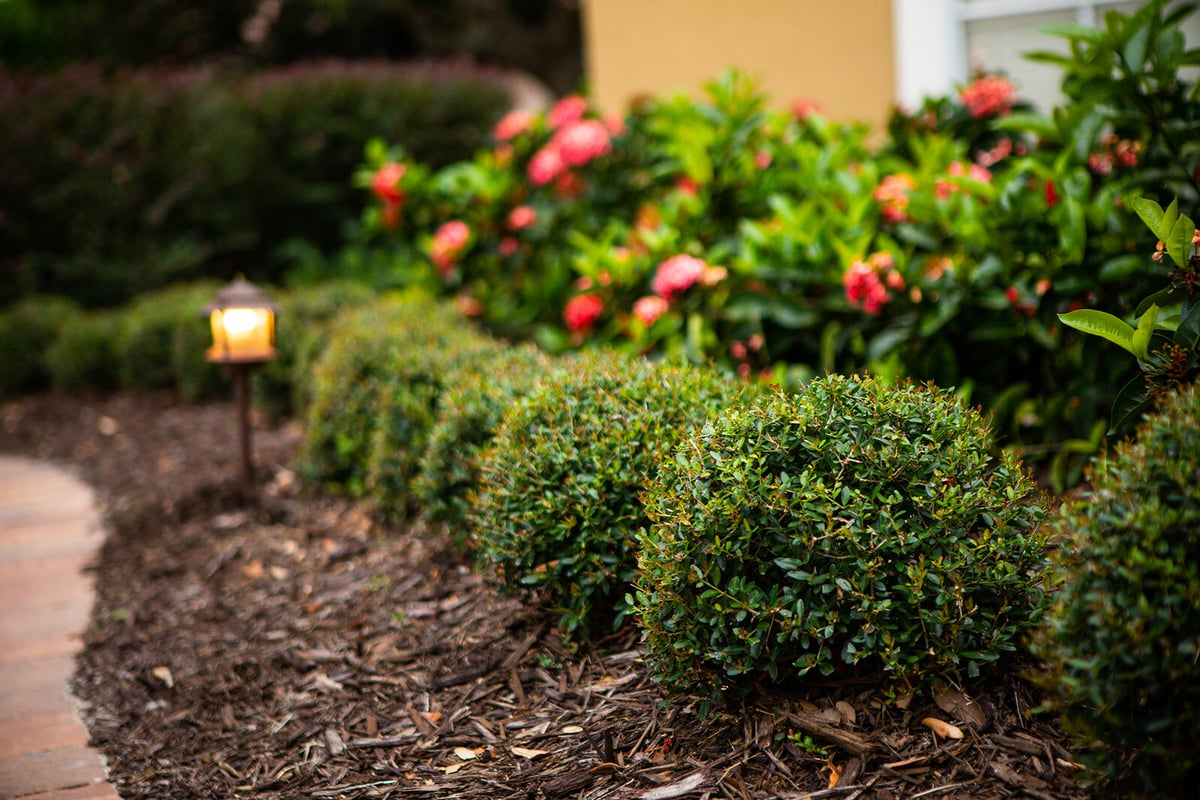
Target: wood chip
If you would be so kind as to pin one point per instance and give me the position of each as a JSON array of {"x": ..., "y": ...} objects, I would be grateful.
[{"x": 942, "y": 728}]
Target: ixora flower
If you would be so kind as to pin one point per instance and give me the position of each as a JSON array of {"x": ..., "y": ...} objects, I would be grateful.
[
  {"x": 448, "y": 243},
  {"x": 521, "y": 217},
  {"x": 864, "y": 282},
  {"x": 892, "y": 195},
  {"x": 385, "y": 183},
  {"x": 678, "y": 273},
  {"x": 582, "y": 311},
  {"x": 649, "y": 308},
  {"x": 580, "y": 142},
  {"x": 511, "y": 125},
  {"x": 988, "y": 96},
  {"x": 546, "y": 165},
  {"x": 567, "y": 110}
]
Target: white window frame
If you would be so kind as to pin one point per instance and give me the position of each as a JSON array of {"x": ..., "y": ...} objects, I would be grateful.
[{"x": 930, "y": 40}]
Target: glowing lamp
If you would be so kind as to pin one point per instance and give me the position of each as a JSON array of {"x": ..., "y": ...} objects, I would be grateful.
[
  {"x": 243, "y": 324},
  {"x": 243, "y": 332}
]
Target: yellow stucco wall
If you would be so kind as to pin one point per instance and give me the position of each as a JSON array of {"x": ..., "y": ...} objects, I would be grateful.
[{"x": 836, "y": 52}]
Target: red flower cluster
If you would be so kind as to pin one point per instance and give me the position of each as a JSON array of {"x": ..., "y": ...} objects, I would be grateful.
[
  {"x": 511, "y": 125},
  {"x": 866, "y": 282},
  {"x": 988, "y": 96},
  {"x": 582, "y": 311},
  {"x": 576, "y": 141},
  {"x": 385, "y": 183}
]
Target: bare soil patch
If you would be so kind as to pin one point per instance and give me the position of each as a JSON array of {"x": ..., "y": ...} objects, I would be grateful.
[{"x": 298, "y": 649}]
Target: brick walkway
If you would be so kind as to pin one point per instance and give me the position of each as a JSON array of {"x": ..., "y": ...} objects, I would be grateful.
[{"x": 48, "y": 532}]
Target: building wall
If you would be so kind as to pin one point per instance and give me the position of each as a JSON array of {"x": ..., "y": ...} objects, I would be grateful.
[{"x": 838, "y": 53}]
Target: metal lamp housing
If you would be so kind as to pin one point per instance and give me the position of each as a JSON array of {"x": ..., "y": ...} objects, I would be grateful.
[{"x": 242, "y": 317}]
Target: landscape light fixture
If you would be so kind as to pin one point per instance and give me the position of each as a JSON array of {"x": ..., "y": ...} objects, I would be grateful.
[{"x": 243, "y": 334}]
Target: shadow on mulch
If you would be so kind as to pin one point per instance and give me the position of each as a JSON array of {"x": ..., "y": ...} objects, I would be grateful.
[{"x": 297, "y": 649}]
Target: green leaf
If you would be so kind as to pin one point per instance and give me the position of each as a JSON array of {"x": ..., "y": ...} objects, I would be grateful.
[
  {"x": 1135, "y": 50},
  {"x": 1129, "y": 403},
  {"x": 1073, "y": 31},
  {"x": 1150, "y": 212},
  {"x": 1102, "y": 324},
  {"x": 1188, "y": 333},
  {"x": 1178, "y": 242},
  {"x": 1145, "y": 329}
]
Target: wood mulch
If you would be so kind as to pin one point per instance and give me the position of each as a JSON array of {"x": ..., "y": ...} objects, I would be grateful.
[{"x": 298, "y": 649}]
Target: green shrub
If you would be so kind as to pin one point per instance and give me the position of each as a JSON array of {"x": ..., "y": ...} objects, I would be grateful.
[
  {"x": 302, "y": 328},
  {"x": 117, "y": 184},
  {"x": 408, "y": 406},
  {"x": 83, "y": 357},
  {"x": 469, "y": 414},
  {"x": 350, "y": 378},
  {"x": 26, "y": 331},
  {"x": 1123, "y": 636},
  {"x": 162, "y": 340},
  {"x": 855, "y": 522},
  {"x": 559, "y": 499}
]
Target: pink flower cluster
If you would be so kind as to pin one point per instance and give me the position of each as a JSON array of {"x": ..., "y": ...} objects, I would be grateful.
[
  {"x": 1116, "y": 153},
  {"x": 576, "y": 141},
  {"x": 943, "y": 188},
  {"x": 892, "y": 195},
  {"x": 867, "y": 282},
  {"x": 679, "y": 273},
  {"x": 511, "y": 125},
  {"x": 649, "y": 308},
  {"x": 988, "y": 96},
  {"x": 448, "y": 244}
]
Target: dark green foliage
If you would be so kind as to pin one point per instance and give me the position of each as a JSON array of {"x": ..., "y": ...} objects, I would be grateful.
[
  {"x": 112, "y": 186},
  {"x": 366, "y": 352},
  {"x": 854, "y": 522},
  {"x": 468, "y": 416},
  {"x": 83, "y": 357},
  {"x": 283, "y": 387},
  {"x": 408, "y": 407},
  {"x": 1123, "y": 636},
  {"x": 162, "y": 340},
  {"x": 26, "y": 331},
  {"x": 559, "y": 500}
]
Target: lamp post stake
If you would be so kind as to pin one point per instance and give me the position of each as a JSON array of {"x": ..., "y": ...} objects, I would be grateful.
[{"x": 241, "y": 376}]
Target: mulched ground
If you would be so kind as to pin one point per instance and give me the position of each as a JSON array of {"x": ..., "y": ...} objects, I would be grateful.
[{"x": 298, "y": 649}]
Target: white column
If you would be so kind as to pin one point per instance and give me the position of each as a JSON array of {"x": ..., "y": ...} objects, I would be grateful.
[{"x": 930, "y": 56}]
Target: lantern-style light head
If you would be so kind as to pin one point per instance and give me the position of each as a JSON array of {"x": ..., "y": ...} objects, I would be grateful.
[{"x": 243, "y": 324}]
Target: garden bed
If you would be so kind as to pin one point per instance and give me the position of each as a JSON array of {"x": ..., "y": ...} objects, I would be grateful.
[{"x": 299, "y": 649}]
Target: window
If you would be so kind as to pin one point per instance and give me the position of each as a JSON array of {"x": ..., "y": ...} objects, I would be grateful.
[{"x": 940, "y": 43}]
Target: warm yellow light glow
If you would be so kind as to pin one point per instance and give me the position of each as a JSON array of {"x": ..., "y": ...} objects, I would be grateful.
[{"x": 242, "y": 334}]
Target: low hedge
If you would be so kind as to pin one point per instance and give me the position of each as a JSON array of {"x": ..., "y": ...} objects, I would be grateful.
[
  {"x": 366, "y": 350},
  {"x": 1123, "y": 637},
  {"x": 113, "y": 185},
  {"x": 26, "y": 330},
  {"x": 470, "y": 412},
  {"x": 854, "y": 523},
  {"x": 560, "y": 490}
]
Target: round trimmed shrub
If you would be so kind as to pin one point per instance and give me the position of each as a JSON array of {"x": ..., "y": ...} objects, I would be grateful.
[
  {"x": 854, "y": 522},
  {"x": 469, "y": 414},
  {"x": 162, "y": 341},
  {"x": 83, "y": 358},
  {"x": 302, "y": 329},
  {"x": 560, "y": 489},
  {"x": 348, "y": 379},
  {"x": 27, "y": 329},
  {"x": 1122, "y": 639},
  {"x": 408, "y": 407}
]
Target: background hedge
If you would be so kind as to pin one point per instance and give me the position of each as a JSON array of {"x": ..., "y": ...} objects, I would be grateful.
[{"x": 117, "y": 184}]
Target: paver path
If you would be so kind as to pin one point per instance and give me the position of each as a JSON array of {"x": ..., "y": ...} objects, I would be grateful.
[{"x": 49, "y": 530}]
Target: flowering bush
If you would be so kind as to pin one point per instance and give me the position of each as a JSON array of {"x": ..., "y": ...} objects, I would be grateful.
[{"x": 696, "y": 227}]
